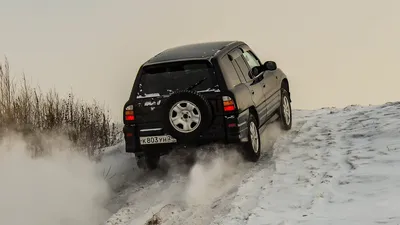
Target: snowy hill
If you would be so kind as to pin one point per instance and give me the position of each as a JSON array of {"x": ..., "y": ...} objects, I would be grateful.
[{"x": 336, "y": 166}]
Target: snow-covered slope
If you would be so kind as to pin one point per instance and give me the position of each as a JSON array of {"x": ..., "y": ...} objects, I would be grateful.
[{"x": 336, "y": 166}]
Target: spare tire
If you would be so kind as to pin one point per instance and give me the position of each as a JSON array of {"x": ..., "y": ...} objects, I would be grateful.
[{"x": 186, "y": 115}]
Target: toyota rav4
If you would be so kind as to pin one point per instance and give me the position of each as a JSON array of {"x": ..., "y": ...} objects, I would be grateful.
[{"x": 203, "y": 93}]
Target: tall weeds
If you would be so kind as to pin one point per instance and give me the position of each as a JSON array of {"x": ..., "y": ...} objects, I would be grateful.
[{"x": 27, "y": 110}]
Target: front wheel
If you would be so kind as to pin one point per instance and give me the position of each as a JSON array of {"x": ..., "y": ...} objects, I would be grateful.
[{"x": 285, "y": 111}]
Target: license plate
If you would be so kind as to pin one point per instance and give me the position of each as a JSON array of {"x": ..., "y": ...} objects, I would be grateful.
[{"x": 151, "y": 140}]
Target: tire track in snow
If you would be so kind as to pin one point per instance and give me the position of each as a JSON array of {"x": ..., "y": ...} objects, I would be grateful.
[
  {"x": 309, "y": 163},
  {"x": 249, "y": 189},
  {"x": 326, "y": 162},
  {"x": 146, "y": 190},
  {"x": 358, "y": 153},
  {"x": 258, "y": 182},
  {"x": 307, "y": 186},
  {"x": 168, "y": 195},
  {"x": 326, "y": 167},
  {"x": 322, "y": 171}
]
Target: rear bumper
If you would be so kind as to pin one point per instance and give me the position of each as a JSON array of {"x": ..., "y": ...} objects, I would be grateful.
[{"x": 220, "y": 134}]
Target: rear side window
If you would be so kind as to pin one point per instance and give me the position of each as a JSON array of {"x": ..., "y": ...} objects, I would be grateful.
[
  {"x": 243, "y": 67},
  {"x": 165, "y": 79},
  {"x": 231, "y": 77}
]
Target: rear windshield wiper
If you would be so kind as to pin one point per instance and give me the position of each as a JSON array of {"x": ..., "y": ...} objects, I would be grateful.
[{"x": 197, "y": 83}]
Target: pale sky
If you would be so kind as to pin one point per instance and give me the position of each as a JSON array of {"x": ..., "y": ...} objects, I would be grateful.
[{"x": 335, "y": 53}]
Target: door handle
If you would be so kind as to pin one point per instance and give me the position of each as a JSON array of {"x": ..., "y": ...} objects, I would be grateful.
[
  {"x": 263, "y": 85},
  {"x": 252, "y": 92}
]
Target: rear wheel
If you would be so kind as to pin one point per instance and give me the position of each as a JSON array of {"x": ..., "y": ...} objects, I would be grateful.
[
  {"x": 147, "y": 161},
  {"x": 252, "y": 148}
]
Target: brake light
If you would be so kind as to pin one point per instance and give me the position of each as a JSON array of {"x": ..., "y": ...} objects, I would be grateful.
[
  {"x": 229, "y": 104},
  {"x": 129, "y": 114}
]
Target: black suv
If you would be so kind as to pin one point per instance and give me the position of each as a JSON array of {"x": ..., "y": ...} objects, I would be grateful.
[{"x": 202, "y": 93}]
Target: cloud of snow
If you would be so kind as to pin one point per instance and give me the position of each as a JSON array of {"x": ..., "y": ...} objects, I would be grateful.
[
  {"x": 218, "y": 172},
  {"x": 270, "y": 135},
  {"x": 210, "y": 178},
  {"x": 63, "y": 187}
]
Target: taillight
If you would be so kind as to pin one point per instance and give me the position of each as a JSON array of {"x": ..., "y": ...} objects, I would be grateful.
[
  {"x": 229, "y": 104},
  {"x": 129, "y": 115}
]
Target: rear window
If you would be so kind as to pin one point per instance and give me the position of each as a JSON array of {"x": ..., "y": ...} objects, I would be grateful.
[{"x": 165, "y": 79}]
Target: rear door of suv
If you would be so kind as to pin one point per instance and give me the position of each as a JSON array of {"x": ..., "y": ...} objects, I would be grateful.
[
  {"x": 255, "y": 88},
  {"x": 155, "y": 83}
]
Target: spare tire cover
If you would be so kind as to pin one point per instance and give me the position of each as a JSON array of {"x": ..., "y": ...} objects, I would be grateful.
[{"x": 186, "y": 115}]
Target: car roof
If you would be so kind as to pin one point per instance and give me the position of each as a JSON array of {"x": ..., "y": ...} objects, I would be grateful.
[{"x": 202, "y": 50}]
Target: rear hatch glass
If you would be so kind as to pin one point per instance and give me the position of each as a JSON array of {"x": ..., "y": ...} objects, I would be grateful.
[
  {"x": 159, "y": 81},
  {"x": 164, "y": 79}
]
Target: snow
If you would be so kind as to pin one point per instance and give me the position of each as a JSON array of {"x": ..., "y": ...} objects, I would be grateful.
[
  {"x": 152, "y": 103},
  {"x": 337, "y": 169},
  {"x": 64, "y": 187},
  {"x": 210, "y": 90},
  {"x": 336, "y": 166},
  {"x": 152, "y": 95}
]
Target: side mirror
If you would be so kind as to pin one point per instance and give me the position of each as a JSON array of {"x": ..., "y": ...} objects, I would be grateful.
[
  {"x": 255, "y": 71},
  {"x": 270, "y": 65}
]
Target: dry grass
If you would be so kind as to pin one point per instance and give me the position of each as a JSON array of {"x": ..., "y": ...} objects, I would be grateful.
[{"x": 28, "y": 111}]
